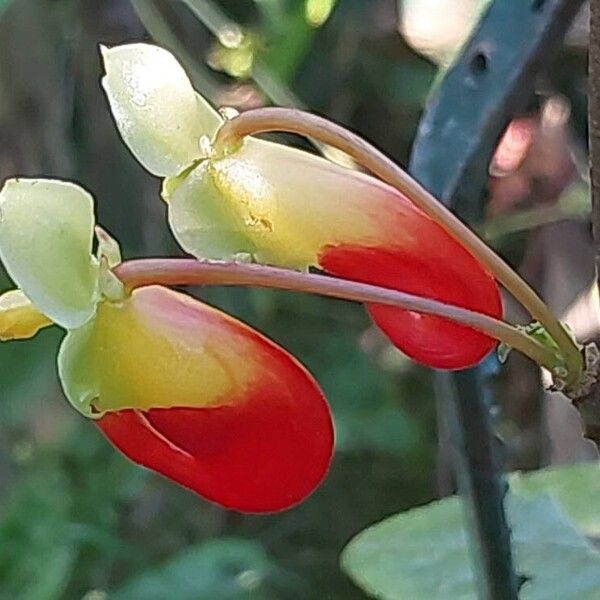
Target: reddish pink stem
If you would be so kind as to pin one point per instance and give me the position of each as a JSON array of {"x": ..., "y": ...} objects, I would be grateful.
[{"x": 185, "y": 271}]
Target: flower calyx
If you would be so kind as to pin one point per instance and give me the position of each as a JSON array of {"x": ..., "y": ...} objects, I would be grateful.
[{"x": 572, "y": 385}]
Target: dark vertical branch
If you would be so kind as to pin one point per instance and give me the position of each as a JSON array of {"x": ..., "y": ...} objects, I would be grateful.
[
  {"x": 487, "y": 85},
  {"x": 594, "y": 122},
  {"x": 472, "y": 446},
  {"x": 589, "y": 406}
]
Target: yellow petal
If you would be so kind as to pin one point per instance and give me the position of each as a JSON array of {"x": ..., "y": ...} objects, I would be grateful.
[
  {"x": 158, "y": 349},
  {"x": 19, "y": 319},
  {"x": 158, "y": 113},
  {"x": 283, "y": 206}
]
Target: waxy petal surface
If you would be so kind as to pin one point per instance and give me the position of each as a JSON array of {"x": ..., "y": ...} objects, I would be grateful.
[
  {"x": 157, "y": 112},
  {"x": 19, "y": 319},
  {"x": 290, "y": 208},
  {"x": 46, "y": 229},
  {"x": 202, "y": 399},
  {"x": 203, "y": 221},
  {"x": 428, "y": 339}
]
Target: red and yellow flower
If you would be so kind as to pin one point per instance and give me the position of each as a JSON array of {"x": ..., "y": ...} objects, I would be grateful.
[
  {"x": 289, "y": 208},
  {"x": 176, "y": 385}
]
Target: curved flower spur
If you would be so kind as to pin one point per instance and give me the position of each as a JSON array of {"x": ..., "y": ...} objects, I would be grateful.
[
  {"x": 176, "y": 385},
  {"x": 289, "y": 208}
]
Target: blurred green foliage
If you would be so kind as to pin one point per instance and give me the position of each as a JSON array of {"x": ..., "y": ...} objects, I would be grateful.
[
  {"x": 424, "y": 553},
  {"x": 76, "y": 519}
]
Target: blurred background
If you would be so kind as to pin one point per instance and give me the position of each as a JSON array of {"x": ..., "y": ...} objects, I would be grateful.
[{"x": 76, "y": 519}]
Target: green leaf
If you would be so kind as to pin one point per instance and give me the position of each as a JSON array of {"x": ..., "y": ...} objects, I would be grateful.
[
  {"x": 423, "y": 554},
  {"x": 46, "y": 229},
  {"x": 220, "y": 569},
  {"x": 576, "y": 488}
]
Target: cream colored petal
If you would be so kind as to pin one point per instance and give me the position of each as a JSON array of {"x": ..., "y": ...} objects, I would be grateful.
[
  {"x": 19, "y": 319},
  {"x": 108, "y": 247},
  {"x": 159, "y": 115},
  {"x": 78, "y": 368},
  {"x": 203, "y": 222},
  {"x": 46, "y": 229}
]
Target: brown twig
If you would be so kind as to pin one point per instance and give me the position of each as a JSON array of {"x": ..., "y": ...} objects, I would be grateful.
[{"x": 589, "y": 406}]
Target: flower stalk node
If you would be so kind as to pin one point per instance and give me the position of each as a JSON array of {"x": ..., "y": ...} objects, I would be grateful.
[
  {"x": 538, "y": 332},
  {"x": 564, "y": 378},
  {"x": 109, "y": 285},
  {"x": 587, "y": 380}
]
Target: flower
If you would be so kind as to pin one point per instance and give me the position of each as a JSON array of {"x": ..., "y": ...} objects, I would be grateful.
[
  {"x": 176, "y": 385},
  {"x": 289, "y": 208}
]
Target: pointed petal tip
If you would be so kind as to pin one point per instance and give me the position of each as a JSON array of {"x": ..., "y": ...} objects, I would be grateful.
[
  {"x": 155, "y": 107},
  {"x": 108, "y": 247}
]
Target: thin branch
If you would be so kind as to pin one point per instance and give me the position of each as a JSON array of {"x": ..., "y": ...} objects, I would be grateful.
[
  {"x": 589, "y": 406},
  {"x": 172, "y": 271},
  {"x": 594, "y": 123},
  {"x": 307, "y": 124}
]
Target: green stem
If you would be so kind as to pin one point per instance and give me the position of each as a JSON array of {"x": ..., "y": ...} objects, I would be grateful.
[
  {"x": 295, "y": 121},
  {"x": 184, "y": 271}
]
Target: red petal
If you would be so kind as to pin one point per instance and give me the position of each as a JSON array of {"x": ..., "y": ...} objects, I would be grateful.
[
  {"x": 441, "y": 270},
  {"x": 265, "y": 451},
  {"x": 354, "y": 226}
]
